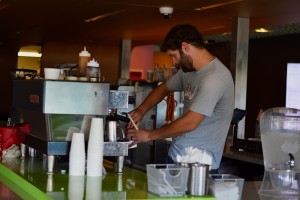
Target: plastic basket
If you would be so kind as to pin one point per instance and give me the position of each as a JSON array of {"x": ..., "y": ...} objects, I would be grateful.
[
  {"x": 167, "y": 179},
  {"x": 225, "y": 186}
]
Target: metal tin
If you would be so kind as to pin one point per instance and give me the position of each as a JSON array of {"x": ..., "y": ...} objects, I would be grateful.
[
  {"x": 112, "y": 131},
  {"x": 198, "y": 176}
]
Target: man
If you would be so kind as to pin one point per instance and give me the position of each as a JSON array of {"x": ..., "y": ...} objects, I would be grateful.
[{"x": 208, "y": 98}]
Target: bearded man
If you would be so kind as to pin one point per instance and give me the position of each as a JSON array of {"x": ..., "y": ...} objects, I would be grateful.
[{"x": 208, "y": 90}]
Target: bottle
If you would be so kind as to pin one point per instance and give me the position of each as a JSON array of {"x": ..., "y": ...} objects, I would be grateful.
[
  {"x": 149, "y": 75},
  {"x": 93, "y": 70},
  {"x": 160, "y": 74},
  {"x": 84, "y": 58}
]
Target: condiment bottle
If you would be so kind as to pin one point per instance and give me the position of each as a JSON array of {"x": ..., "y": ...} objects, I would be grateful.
[
  {"x": 93, "y": 70},
  {"x": 84, "y": 58}
]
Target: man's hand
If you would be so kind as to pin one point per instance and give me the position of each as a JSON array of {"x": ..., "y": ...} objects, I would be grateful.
[
  {"x": 138, "y": 136},
  {"x": 137, "y": 116}
]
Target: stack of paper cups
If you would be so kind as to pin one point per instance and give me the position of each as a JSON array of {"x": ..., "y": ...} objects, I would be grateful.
[
  {"x": 95, "y": 148},
  {"x": 76, "y": 187},
  {"x": 77, "y": 155},
  {"x": 93, "y": 188}
]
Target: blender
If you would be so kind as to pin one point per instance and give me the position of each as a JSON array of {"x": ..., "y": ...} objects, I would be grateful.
[{"x": 280, "y": 135}]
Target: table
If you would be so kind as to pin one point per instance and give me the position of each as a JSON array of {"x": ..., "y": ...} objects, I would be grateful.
[{"x": 28, "y": 178}]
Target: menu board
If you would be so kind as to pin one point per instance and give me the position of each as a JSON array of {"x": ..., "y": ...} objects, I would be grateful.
[{"x": 292, "y": 86}]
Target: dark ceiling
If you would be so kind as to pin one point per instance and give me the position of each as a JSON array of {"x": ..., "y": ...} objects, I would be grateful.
[{"x": 33, "y": 22}]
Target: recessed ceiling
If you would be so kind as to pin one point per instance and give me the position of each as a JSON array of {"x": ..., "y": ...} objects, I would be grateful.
[{"x": 34, "y": 22}]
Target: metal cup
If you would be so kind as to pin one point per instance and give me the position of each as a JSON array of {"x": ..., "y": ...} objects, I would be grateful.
[
  {"x": 198, "y": 178},
  {"x": 112, "y": 131}
]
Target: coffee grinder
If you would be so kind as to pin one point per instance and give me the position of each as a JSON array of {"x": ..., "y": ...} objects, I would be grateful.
[{"x": 280, "y": 135}]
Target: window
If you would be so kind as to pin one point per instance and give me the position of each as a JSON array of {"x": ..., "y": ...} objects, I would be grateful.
[{"x": 292, "y": 86}]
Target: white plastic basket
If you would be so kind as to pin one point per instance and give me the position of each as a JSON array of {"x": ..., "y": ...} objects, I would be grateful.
[{"x": 167, "y": 179}]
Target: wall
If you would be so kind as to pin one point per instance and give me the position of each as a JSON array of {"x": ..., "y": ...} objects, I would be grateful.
[
  {"x": 29, "y": 63},
  {"x": 8, "y": 61},
  {"x": 267, "y": 62},
  {"x": 144, "y": 58},
  {"x": 141, "y": 59},
  {"x": 162, "y": 59}
]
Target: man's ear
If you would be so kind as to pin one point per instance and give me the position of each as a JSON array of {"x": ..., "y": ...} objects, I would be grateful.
[{"x": 185, "y": 47}]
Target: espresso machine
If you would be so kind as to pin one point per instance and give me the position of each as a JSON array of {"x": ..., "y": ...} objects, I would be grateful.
[
  {"x": 280, "y": 135},
  {"x": 54, "y": 107}
]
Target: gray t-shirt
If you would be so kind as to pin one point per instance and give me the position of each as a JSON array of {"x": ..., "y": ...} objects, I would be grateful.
[{"x": 210, "y": 92}]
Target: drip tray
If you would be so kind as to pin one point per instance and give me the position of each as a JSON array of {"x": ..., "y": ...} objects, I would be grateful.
[{"x": 63, "y": 147}]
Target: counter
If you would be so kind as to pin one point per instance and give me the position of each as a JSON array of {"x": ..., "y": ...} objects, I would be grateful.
[
  {"x": 244, "y": 164},
  {"x": 250, "y": 157},
  {"x": 27, "y": 177}
]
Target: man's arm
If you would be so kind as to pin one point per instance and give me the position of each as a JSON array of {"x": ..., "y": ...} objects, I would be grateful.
[
  {"x": 184, "y": 124},
  {"x": 154, "y": 97}
]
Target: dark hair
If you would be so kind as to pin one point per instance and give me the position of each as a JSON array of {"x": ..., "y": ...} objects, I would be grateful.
[{"x": 182, "y": 33}]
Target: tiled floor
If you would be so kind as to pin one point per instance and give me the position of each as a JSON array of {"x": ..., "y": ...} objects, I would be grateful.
[{"x": 7, "y": 194}]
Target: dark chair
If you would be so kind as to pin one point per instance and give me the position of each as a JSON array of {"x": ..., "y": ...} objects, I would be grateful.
[{"x": 238, "y": 115}]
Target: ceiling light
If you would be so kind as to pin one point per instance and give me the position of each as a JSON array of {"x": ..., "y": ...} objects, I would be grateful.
[
  {"x": 217, "y": 5},
  {"x": 29, "y": 54},
  {"x": 262, "y": 30},
  {"x": 104, "y": 16}
]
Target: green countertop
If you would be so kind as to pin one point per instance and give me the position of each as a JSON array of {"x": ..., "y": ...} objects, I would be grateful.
[{"x": 28, "y": 178}]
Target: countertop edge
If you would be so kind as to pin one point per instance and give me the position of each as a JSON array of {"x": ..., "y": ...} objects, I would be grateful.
[{"x": 20, "y": 186}]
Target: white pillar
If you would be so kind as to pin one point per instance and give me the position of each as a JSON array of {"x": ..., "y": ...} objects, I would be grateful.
[
  {"x": 125, "y": 58},
  {"x": 239, "y": 65}
]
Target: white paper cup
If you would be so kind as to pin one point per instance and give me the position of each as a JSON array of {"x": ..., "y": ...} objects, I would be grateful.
[
  {"x": 96, "y": 130},
  {"x": 77, "y": 155},
  {"x": 95, "y": 148},
  {"x": 76, "y": 187},
  {"x": 51, "y": 73},
  {"x": 95, "y": 161},
  {"x": 93, "y": 188}
]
